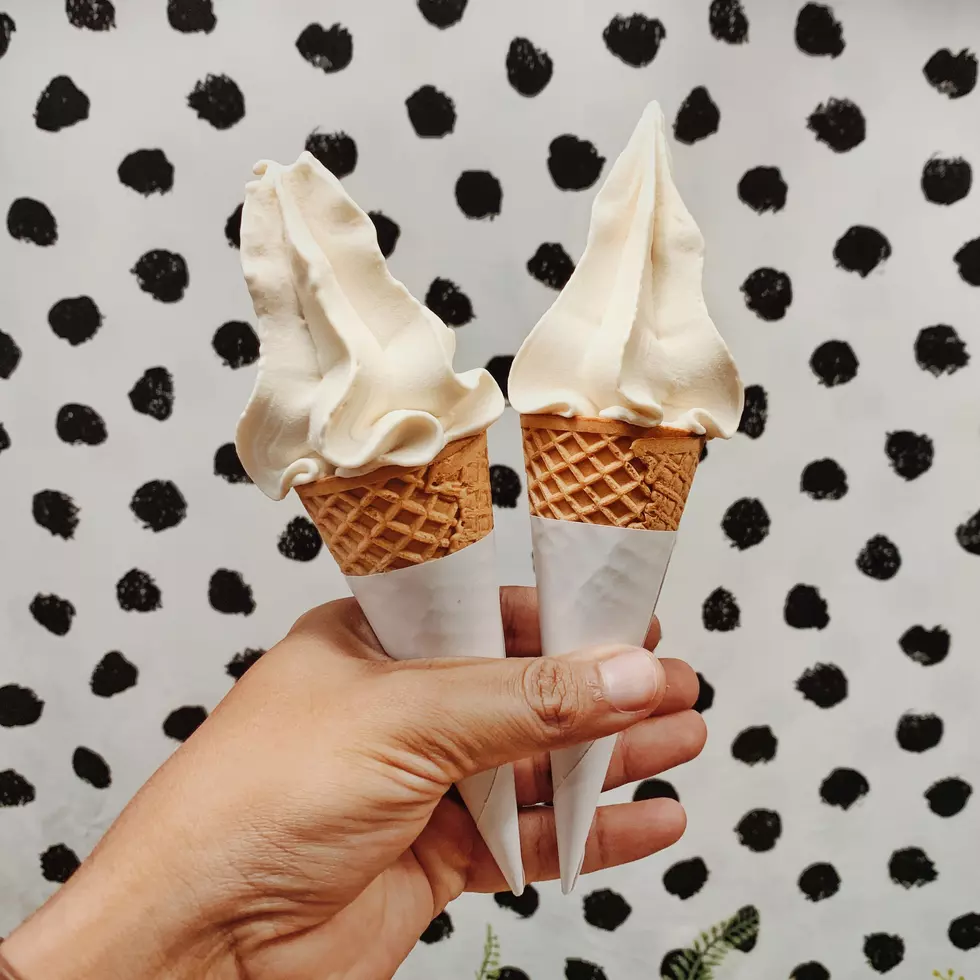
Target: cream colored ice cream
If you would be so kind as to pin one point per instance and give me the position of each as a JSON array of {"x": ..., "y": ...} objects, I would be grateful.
[
  {"x": 629, "y": 337},
  {"x": 354, "y": 372}
]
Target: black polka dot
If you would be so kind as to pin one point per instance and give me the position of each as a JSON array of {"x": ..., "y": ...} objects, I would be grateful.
[
  {"x": 387, "y": 232},
  {"x": 703, "y": 455},
  {"x": 218, "y": 101},
  {"x": 19, "y": 706},
  {"x": 583, "y": 970},
  {"x": 676, "y": 963},
  {"x": 441, "y": 927},
  {"x": 655, "y": 789},
  {"x": 91, "y": 15},
  {"x": 968, "y": 262},
  {"x": 449, "y": 303},
  {"x": 686, "y": 878},
  {"x": 823, "y": 684},
  {"x": 53, "y": 613},
  {"x": 805, "y": 608},
  {"x": 634, "y": 39},
  {"x": 15, "y": 790},
  {"x": 939, "y": 350},
  {"x": 839, "y": 124},
  {"x": 511, "y": 973},
  {"x": 153, "y": 394},
  {"x": 300, "y": 541},
  {"x": 746, "y": 941},
  {"x": 964, "y": 932},
  {"x": 551, "y": 265},
  {"x": 147, "y": 172},
  {"x": 919, "y": 733},
  {"x": 499, "y": 368},
  {"x": 329, "y": 49},
  {"x": 236, "y": 344},
  {"x": 442, "y": 13},
  {"x": 968, "y": 534},
  {"x": 241, "y": 662},
  {"x": 755, "y": 745},
  {"x": 32, "y": 221},
  {"x": 191, "y": 16},
  {"x": 911, "y": 867},
  {"x": 883, "y": 952},
  {"x": 755, "y": 412},
  {"x": 478, "y": 194},
  {"x": 861, "y": 249},
  {"x": 763, "y": 189},
  {"x": 10, "y": 355},
  {"x": 61, "y": 104},
  {"x": 4, "y": 438},
  {"x": 955, "y": 75},
  {"x": 946, "y": 180},
  {"x": 113, "y": 674},
  {"x": 137, "y": 592},
  {"x": 228, "y": 593},
  {"x": 810, "y": 971},
  {"x": 843, "y": 788},
  {"x": 606, "y": 909},
  {"x": 228, "y": 466},
  {"x": 819, "y": 881},
  {"x": 431, "y": 112},
  {"x": 7, "y": 28},
  {"x": 706, "y": 695},
  {"x": 91, "y": 768},
  {"x": 524, "y": 905},
  {"x": 697, "y": 117},
  {"x": 574, "y": 164},
  {"x": 58, "y": 863},
  {"x": 818, "y": 32},
  {"x": 181, "y": 723},
  {"x": 759, "y": 830},
  {"x": 159, "y": 505},
  {"x": 926, "y": 647},
  {"x": 746, "y": 523},
  {"x": 528, "y": 68},
  {"x": 55, "y": 512},
  {"x": 909, "y": 453},
  {"x": 879, "y": 558},
  {"x": 505, "y": 486},
  {"x": 823, "y": 479},
  {"x": 80, "y": 424},
  {"x": 834, "y": 363},
  {"x": 768, "y": 293},
  {"x": 162, "y": 274},
  {"x": 727, "y": 21},
  {"x": 75, "y": 319},
  {"x": 233, "y": 227},
  {"x": 720, "y": 612}
]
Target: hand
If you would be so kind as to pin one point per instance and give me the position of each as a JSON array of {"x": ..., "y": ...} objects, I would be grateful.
[{"x": 305, "y": 829}]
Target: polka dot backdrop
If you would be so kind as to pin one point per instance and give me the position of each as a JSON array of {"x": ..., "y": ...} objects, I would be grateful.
[{"x": 825, "y": 581}]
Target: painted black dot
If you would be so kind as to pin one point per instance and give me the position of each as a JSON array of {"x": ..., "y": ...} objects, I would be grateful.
[
  {"x": 441, "y": 927},
  {"x": 241, "y": 662},
  {"x": 58, "y": 863},
  {"x": 576, "y": 969},
  {"x": 228, "y": 593},
  {"x": 946, "y": 180},
  {"x": 329, "y": 49},
  {"x": 181, "y": 723},
  {"x": 162, "y": 274},
  {"x": 909, "y": 453},
  {"x": 32, "y": 221},
  {"x": 75, "y": 319},
  {"x": 834, "y": 363},
  {"x": 746, "y": 523},
  {"x": 818, "y": 32},
  {"x": 919, "y": 733},
  {"x": 655, "y": 789},
  {"x": 911, "y": 868},
  {"x": 228, "y": 466},
  {"x": 926, "y": 647},
  {"x": 727, "y": 21},
  {"x": 387, "y": 232},
  {"x": 4, "y": 438},
  {"x": 505, "y": 486},
  {"x": 879, "y": 558},
  {"x": 61, "y": 104},
  {"x": 574, "y": 164},
  {"x": 236, "y": 343},
  {"x": 15, "y": 790},
  {"x": 449, "y": 302},
  {"x": 759, "y": 830},
  {"x": 300, "y": 541},
  {"x": 686, "y": 878},
  {"x": 218, "y": 101},
  {"x": 861, "y": 249},
  {"x": 805, "y": 608},
  {"x": 720, "y": 612},
  {"x": 634, "y": 39},
  {"x": 511, "y": 973},
  {"x": 968, "y": 534},
  {"x": 819, "y": 881},
  {"x": 19, "y": 706},
  {"x": 939, "y": 350},
  {"x": 810, "y": 971},
  {"x": 676, "y": 963},
  {"x": 524, "y": 905},
  {"x": 91, "y": 15},
  {"x": 823, "y": 684},
  {"x": 755, "y": 412},
  {"x": 706, "y": 695},
  {"x": 147, "y": 172},
  {"x": 883, "y": 952},
  {"x": 137, "y": 592},
  {"x": 191, "y": 16},
  {"x": 159, "y": 505},
  {"x": 823, "y": 479},
  {"x": 7, "y": 28},
  {"x": 336, "y": 151},
  {"x": 442, "y": 13},
  {"x": 954, "y": 75},
  {"x": 80, "y": 424},
  {"x": 91, "y": 768},
  {"x": 499, "y": 368},
  {"x": 964, "y": 932},
  {"x": 113, "y": 674},
  {"x": 53, "y": 613},
  {"x": 768, "y": 293},
  {"x": 755, "y": 745},
  {"x": 153, "y": 394},
  {"x": 55, "y": 512},
  {"x": 551, "y": 265},
  {"x": 947, "y": 797},
  {"x": 606, "y": 909},
  {"x": 432, "y": 113},
  {"x": 968, "y": 262},
  {"x": 478, "y": 194},
  {"x": 839, "y": 124},
  {"x": 697, "y": 117},
  {"x": 763, "y": 189},
  {"x": 528, "y": 68},
  {"x": 843, "y": 788},
  {"x": 233, "y": 227},
  {"x": 703, "y": 455}
]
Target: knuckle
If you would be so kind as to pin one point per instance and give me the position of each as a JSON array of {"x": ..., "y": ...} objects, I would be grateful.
[{"x": 554, "y": 693}]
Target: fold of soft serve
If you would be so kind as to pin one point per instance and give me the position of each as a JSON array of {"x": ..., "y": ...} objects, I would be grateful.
[
  {"x": 354, "y": 373},
  {"x": 629, "y": 337}
]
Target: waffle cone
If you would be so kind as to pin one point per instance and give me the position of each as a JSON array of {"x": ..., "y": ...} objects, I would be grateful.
[
  {"x": 399, "y": 516},
  {"x": 600, "y": 471}
]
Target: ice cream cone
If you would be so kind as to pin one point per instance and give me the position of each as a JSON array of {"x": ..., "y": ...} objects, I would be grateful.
[
  {"x": 606, "y": 499},
  {"x": 416, "y": 545}
]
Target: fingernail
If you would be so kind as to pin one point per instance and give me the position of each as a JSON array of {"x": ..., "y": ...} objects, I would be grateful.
[{"x": 631, "y": 679}]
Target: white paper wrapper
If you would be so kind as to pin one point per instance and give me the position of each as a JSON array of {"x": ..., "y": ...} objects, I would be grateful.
[
  {"x": 450, "y": 607},
  {"x": 596, "y": 585}
]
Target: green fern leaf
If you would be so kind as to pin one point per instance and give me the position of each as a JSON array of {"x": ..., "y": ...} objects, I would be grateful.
[{"x": 490, "y": 966}]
